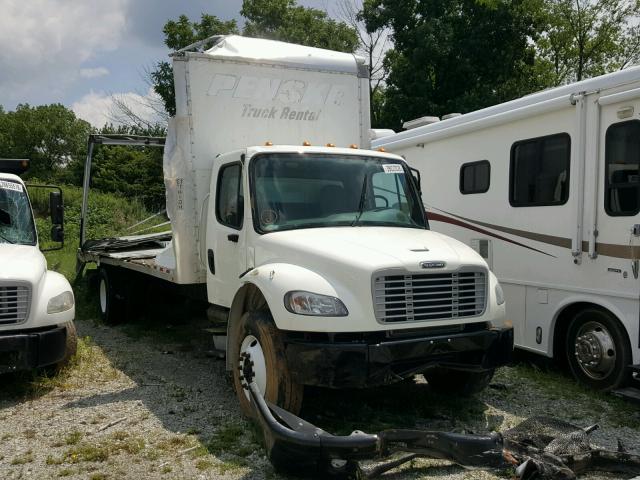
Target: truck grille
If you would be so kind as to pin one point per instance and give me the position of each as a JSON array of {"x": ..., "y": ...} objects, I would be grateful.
[
  {"x": 14, "y": 304},
  {"x": 419, "y": 297}
]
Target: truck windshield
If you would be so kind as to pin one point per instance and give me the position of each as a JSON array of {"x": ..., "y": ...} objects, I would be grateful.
[
  {"x": 292, "y": 191},
  {"x": 16, "y": 221}
]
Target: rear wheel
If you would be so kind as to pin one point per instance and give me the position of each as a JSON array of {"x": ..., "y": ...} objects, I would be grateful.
[
  {"x": 598, "y": 350},
  {"x": 255, "y": 338},
  {"x": 112, "y": 305},
  {"x": 462, "y": 382}
]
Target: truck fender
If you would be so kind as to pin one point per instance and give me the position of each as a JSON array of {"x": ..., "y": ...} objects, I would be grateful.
[
  {"x": 265, "y": 287},
  {"x": 53, "y": 283}
]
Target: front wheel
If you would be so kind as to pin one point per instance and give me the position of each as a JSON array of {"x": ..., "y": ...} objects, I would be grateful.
[
  {"x": 598, "y": 350},
  {"x": 461, "y": 382},
  {"x": 256, "y": 343}
]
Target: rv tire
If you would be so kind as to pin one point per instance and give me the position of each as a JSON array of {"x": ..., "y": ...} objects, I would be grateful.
[
  {"x": 255, "y": 339},
  {"x": 597, "y": 349},
  {"x": 462, "y": 382}
]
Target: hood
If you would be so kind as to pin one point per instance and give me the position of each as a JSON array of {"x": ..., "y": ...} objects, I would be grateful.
[
  {"x": 367, "y": 248},
  {"x": 21, "y": 262}
]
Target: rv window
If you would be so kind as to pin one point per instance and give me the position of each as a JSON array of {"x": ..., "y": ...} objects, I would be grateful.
[
  {"x": 475, "y": 177},
  {"x": 539, "y": 173},
  {"x": 622, "y": 176},
  {"x": 229, "y": 197}
]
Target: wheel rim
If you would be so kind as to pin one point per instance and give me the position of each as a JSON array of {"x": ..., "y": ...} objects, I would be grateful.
[
  {"x": 595, "y": 350},
  {"x": 250, "y": 349},
  {"x": 103, "y": 295}
]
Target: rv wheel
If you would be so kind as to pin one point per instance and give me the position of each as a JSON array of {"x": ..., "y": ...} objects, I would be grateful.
[
  {"x": 257, "y": 353},
  {"x": 110, "y": 302},
  {"x": 464, "y": 383},
  {"x": 598, "y": 350}
]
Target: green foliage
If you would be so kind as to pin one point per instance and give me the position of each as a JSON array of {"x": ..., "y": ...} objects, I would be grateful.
[
  {"x": 49, "y": 135},
  {"x": 454, "y": 56},
  {"x": 286, "y": 21},
  {"x": 586, "y": 38},
  {"x": 178, "y": 34}
]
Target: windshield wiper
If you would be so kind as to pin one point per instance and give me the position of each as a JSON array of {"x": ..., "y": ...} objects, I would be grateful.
[{"x": 363, "y": 196}]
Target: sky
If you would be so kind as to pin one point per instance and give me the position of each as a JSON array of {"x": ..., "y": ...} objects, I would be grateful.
[{"x": 81, "y": 53}]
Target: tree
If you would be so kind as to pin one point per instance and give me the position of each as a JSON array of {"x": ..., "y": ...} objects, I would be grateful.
[
  {"x": 585, "y": 38},
  {"x": 179, "y": 34},
  {"x": 372, "y": 46},
  {"x": 454, "y": 56},
  {"x": 51, "y": 136},
  {"x": 286, "y": 21}
]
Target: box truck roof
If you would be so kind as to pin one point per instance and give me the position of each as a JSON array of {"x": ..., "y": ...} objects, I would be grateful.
[{"x": 246, "y": 49}]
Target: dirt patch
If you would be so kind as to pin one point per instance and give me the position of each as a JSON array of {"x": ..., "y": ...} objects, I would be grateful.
[{"x": 141, "y": 401}]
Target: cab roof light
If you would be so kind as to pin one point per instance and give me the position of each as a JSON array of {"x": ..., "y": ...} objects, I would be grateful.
[
  {"x": 17, "y": 166},
  {"x": 353, "y": 145},
  {"x": 268, "y": 144},
  {"x": 306, "y": 143},
  {"x": 381, "y": 149},
  {"x": 331, "y": 144}
]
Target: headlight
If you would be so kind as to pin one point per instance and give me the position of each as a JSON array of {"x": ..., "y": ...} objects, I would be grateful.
[
  {"x": 307, "y": 303},
  {"x": 499, "y": 294},
  {"x": 60, "y": 303}
]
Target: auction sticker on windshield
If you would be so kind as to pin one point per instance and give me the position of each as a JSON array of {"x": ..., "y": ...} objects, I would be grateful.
[
  {"x": 10, "y": 186},
  {"x": 392, "y": 168}
]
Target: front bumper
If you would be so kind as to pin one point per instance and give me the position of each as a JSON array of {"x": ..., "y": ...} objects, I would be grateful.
[
  {"x": 368, "y": 363},
  {"x": 31, "y": 349}
]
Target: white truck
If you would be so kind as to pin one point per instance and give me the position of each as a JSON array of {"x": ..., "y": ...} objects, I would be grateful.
[
  {"x": 37, "y": 306},
  {"x": 317, "y": 260},
  {"x": 547, "y": 189}
]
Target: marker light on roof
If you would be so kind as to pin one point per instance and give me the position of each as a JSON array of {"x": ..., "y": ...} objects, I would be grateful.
[
  {"x": 268, "y": 144},
  {"x": 353, "y": 145},
  {"x": 381, "y": 149},
  {"x": 331, "y": 144},
  {"x": 306, "y": 143}
]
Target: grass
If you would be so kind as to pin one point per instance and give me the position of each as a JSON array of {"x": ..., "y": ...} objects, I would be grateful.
[{"x": 119, "y": 442}]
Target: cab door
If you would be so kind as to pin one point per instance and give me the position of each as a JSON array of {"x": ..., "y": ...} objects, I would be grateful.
[{"x": 225, "y": 256}]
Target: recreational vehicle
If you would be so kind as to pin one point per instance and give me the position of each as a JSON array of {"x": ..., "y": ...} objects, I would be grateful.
[
  {"x": 547, "y": 189},
  {"x": 314, "y": 255}
]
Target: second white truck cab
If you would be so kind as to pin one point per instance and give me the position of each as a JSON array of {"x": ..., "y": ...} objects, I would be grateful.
[
  {"x": 317, "y": 261},
  {"x": 36, "y": 305}
]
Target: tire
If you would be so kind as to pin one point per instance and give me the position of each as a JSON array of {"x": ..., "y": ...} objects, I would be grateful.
[
  {"x": 597, "y": 350},
  {"x": 255, "y": 333},
  {"x": 71, "y": 347},
  {"x": 110, "y": 302},
  {"x": 460, "y": 382}
]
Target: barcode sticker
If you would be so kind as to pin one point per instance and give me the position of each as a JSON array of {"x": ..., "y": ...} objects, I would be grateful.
[
  {"x": 392, "y": 168},
  {"x": 16, "y": 187}
]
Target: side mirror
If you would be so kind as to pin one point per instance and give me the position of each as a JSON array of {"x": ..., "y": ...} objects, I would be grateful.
[
  {"x": 415, "y": 173},
  {"x": 56, "y": 208},
  {"x": 57, "y": 233}
]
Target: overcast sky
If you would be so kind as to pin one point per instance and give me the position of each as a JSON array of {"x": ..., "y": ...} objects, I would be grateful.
[{"x": 80, "y": 52}]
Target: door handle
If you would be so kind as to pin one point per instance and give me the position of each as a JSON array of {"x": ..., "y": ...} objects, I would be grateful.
[
  {"x": 211, "y": 261},
  {"x": 233, "y": 237}
]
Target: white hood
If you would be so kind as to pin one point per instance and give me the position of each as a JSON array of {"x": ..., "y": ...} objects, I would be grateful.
[
  {"x": 21, "y": 262},
  {"x": 364, "y": 248}
]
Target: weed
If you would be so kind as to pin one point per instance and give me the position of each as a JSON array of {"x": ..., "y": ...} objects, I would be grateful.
[
  {"x": 26, "y": 457},
  {"x": 73, "y": 438},
  {"x": 203, "y": 464}
]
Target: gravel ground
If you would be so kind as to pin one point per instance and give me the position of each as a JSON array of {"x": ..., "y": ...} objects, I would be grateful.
[{"x": 138, "y": 403}]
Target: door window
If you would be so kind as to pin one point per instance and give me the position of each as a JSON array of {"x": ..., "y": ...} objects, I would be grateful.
[
  {"x": 389, "y": 191},
  {"x": 622, "y": 160},
  {"x": 539, "y": 172},
  {"x": 475, "y": 177},
  {"x": 229, "y": 196}
]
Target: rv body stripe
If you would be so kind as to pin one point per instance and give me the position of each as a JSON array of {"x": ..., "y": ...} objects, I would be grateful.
[
  {"x": 606, "y": 249},
  {"x": 443, "y": 218}
]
